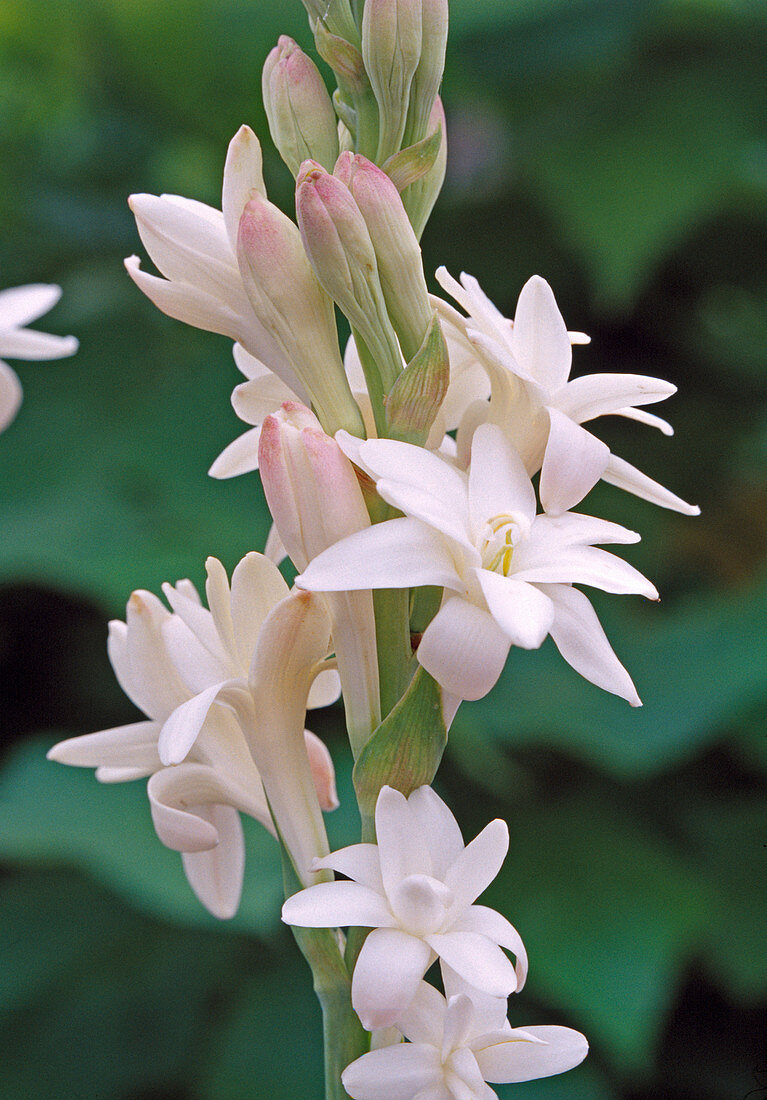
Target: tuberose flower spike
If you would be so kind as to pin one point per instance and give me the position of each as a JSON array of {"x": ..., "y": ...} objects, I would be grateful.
[{"x": 416, "y": 888}]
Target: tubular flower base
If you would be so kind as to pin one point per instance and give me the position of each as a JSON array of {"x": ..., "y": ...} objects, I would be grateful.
[{"x": 416, "y": 889}]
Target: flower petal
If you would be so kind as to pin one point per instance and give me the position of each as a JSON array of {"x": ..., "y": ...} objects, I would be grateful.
[
  {"x": 579, "y": 637},
  {"x": 573, "y": 463},
  {"x": 433, "y": 820},
  {"x": 182, "y": 728},
  {"x": 387, "y": 975},
  {"x": 399, "y": 1072},
  {"x": 337, "y": 905},
  {"x": 587, "y": 565},
  {"x": 357, "y": 861},
  {"x": 240, "y": 457},
  {"x": 463, "y": 648},
  {"x": 498, "y": 481},
  {"x": 400, "y": 553},
  {"x": 521, "y": 610},
  {"x": 650, "y": 419},
  {"x": 133, "y": 746},
  {"x": 625, "y": 476},
  {"x": 26, "y": 343},
  {"x": 176, "y": 795},
  {"x": 216, "y": 875},
  {"x": 488, "y": 922},
  {"x": 10, "y": 395},
  {"x": 476, "y": 959},
  {"x": 242, "y": 175},
  {"x": 477, "y": 865},
  {"x": 540, "y": 341},
  {"x": 595, "y": 395},
  {"x": 518, "y": 1060},
  {"x": 257, "y": 587},
  {"x": 19, "y": 305}
]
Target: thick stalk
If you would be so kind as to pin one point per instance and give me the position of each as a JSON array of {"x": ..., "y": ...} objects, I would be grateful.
[{"x": 392, "y": 611}]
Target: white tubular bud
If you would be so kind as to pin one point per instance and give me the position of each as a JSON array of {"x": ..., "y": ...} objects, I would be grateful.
[
  {"x": 293, "y": 307},
  {"x": 315, "y": 500},
  {"x": 400, "y": 266},
  {"x": 301, "y": 118},
  {"x": 341, "y": 252},
  {"x": 391, "y": 49}
]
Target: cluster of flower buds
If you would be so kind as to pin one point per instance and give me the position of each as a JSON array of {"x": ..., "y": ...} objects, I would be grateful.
[{"x": 18, "y": 307}]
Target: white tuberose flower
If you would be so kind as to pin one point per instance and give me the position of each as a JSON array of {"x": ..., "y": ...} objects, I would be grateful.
[
  {"x": 162, "y": 663},
  {"x": 528, "y": 364},
  {"x": 455, "y": 1046},
  {"x": 416, "y": 889},
  {"x": 18, "y": 307},
  {"x": 507, "y": 572}
]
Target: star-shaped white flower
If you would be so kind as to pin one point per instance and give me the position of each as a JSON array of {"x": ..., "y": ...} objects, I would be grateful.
[
  {"x": 416, "y": 888},
  {"x": 528, "y": 364},
  {"x": 457, "y": 1045},
  {"x": 507, "y": 572},
  {"x": 18, "y": 307}
]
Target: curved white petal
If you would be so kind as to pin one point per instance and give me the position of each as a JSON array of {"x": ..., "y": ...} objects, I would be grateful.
[
  {"x": 243, "y": 173},
  {"x": 199, "y": 620},
  {"x": 464, "y": 649},
  {"x": 478, "y": 864},
  {"x": 151, "y": 677},
  {"x": 401, "y": 850},
  {"x": 10, "y": 395},
  {"x": 19, "y": 305},
  {"x": 387, "y": 975},
  {"x": 400, "y": 553},
  {"x": 133, "y": 746},
  {"x": 182, "y": 728},
  {"x": 579, "y": 637},
  {"x": 325, "y": 690},
  {"x": 240, "y": 457},
  {"x": 194, "y": 664},
  {"x": 401, "y": 1072},
  {"x": 521, "y": 610},
  {"x": 323, "y": 772},
  {"x": 433, "y": 821},
  {"x": 625, "y": 476},
  {"x": 498, "y": 481},
  {"x": 650, "y": 419},
  {"x": 540, "y": 341},
  {"x": 175, "y": 796},
  {"x": 404, "y": 463},
  {"x": 574, "y": 529},
  {"x": 488, "y": 922},
  {"x": 359, "y": 862},
  {"x": 423, "y": 1019},
  {"x": 587, "y": 565},
  {"x": 216, "y": 875},
  {"x": 255, "y": 399},
  {"x": 337, "y": 905},
  {"x": 187, "y": 303},
  {"x": 601, "y": 394},
  {"x": 516, "y": 1060},
  {"x": 476, "y": 959},
  {"x": 26, "y": 343},
  {"x": 573, "y": 463},
  {"x": 257, "y": 587}
]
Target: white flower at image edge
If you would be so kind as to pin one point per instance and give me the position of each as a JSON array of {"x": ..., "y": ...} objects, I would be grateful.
[
  {"x": 416, "y": 889},
  {"x": 507, "y": 572},
  {"x": 457, "y": 1045},
  {"x": 18, "y": 307}
]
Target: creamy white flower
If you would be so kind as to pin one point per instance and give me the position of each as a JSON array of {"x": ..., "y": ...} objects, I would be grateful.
[
  {"x": 528, "y": 364},
  {"x": 507, "y": 572},
  {"x": 200, "y": 779},
  {"x": 18, "y": 307},
  {"x": 456, "y": 1046},
  {"x": 416, "y": 888}
]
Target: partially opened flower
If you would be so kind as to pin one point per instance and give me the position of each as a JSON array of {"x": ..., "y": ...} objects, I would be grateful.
[
  {"x": 507, "y": 572},
  {"x": 455, "y": 1046},
  {"x": 198, "y": 784},
  {"x": 528, "y": 364},
  {"x": 19, "y": 306},
  {"x": 416, "y": 888}
]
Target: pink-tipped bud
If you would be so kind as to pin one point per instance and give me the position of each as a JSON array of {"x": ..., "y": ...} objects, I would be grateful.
[
  {"x": 291, "y": 305},
  {"x": 323, "y": 772},
  {"x": 398, "y": 254},
  {"x": 301, "y": 118},
  {"x": 341, "y": 252}
]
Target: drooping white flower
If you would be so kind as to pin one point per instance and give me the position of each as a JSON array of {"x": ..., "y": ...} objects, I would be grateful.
[
  {"x": 416, "y": 888},
  {"x": 528, "y": 364},
  {"x": 507, "y": 572},
  {"x": 18, "y": 307},
  {"x": 455, "y": 1046},
  {"x": 199, "y": 780}
]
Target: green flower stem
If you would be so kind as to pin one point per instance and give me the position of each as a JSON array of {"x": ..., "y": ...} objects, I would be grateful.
[
  {"x": 367, "y": 123},
  {"x": 392, "y": 613}
]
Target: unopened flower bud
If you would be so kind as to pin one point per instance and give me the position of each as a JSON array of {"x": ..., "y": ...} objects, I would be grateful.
[
  {"x": 391, "y": 48},
  {"x": 301, "y": 118},
  {"x": 315, "y": 500},
  {"x": 343, "y": 57},
  {"x": 336, "y": 15},
  {"x": 400, "y": 267},
  {"x": 415, "y": 399},
  {"x": 420, "y": 196},
  {"x": 341, "y": 252},
  {"x": 290, "y": 303},
  {"x": 431, "y": 64}
]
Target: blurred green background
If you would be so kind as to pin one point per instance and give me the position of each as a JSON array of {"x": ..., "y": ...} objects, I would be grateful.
[{"x": 618, "y": 149}]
